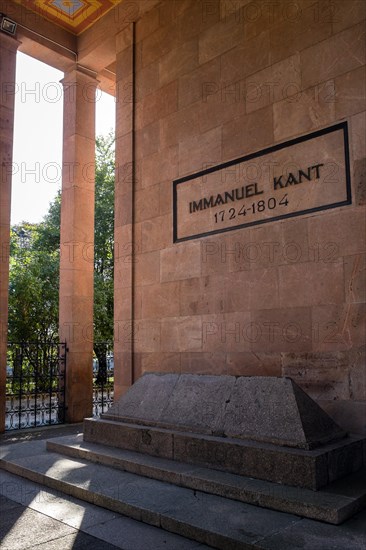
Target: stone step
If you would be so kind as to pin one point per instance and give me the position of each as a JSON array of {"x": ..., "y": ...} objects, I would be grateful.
[
  {"x": 309, "y": 469},
  {"x": 218, "y": 522},
  {"x": 339, "y": 501}
]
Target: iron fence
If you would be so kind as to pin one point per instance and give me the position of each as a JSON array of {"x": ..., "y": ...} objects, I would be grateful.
[
  {"x": 103, "y": 377},
  {"x": 35, "y": 384}
]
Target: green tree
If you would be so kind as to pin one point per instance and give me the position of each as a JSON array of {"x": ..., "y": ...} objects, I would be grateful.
[
  {"x": 103, "y": 252},
  {"x": 33, "y": 303},
  {"x": 34, "y": 267},
  {"x": 33, "y": 286}
]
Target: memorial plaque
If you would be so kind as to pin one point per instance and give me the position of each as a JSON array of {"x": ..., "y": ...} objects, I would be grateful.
[{"x": 301, "y": 176}]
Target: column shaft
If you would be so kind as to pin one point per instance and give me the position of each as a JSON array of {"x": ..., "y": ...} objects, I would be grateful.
[
  {"x": 8, "y": 50},
  {"x": 77, "y": 241},
  {"x": 124, "y": 228}
]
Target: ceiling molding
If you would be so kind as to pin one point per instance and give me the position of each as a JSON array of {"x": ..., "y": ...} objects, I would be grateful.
[{"x": 75, "y": 16}]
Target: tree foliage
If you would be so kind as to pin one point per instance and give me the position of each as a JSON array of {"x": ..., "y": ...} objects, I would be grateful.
[
  {"x": 33, "y": 303},
  {"x": 33, "y": 285},
  {"x": 103, "y": 252},
  {"x": 34, "y": 266}
]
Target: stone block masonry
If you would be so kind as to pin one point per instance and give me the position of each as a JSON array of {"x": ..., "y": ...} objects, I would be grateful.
[{"x": 214, "y": 82}]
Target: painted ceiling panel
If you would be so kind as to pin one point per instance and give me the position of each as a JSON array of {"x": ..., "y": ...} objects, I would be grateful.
[{"x": 73, "y": 15}]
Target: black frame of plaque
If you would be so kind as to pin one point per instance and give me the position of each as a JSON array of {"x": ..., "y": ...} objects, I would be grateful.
[{"x": 340, "y": 126}]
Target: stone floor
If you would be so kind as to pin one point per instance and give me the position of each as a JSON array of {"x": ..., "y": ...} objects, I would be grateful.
[{"x": 33, "y": 516}]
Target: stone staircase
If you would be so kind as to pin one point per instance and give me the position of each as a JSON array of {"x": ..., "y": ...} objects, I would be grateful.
[
  {"x": 339, "y": 501},
  {"x": 220, "y": 510},
  {"x": 134, "y": 465}
]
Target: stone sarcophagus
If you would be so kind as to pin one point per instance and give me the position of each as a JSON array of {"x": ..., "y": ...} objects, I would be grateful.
[{"x": 262, "y": 427}]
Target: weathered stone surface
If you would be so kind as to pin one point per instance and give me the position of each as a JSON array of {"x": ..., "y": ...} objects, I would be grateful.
[
  {"x": 266, "y": 462},
  {"x": 261, "y": 427},
  {"x": 332, "y": 504},
  {"x": 148, "y": 401},
  {"x": 209, "y": 519},
  {"x": 266, "y": 409},
  {"x": 296, "y": 467},
  {"x": 198, "y": 402},
  {"x": 142, "y": 439}
]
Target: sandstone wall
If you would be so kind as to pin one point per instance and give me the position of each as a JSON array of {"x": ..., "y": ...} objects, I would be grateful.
[{"x": 215, "y": 81}]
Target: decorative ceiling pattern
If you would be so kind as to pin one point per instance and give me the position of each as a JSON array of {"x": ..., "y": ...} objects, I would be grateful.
[{"x": 73, "y": 15}]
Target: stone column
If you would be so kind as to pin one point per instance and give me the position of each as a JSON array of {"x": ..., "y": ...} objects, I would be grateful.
[
  {"x": 77, "y": 241},
  {"x": 124, "y": 229},
  {"x": 8, "y": 50}
]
